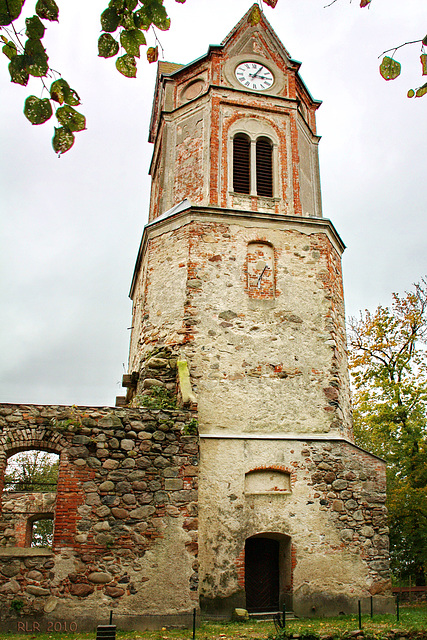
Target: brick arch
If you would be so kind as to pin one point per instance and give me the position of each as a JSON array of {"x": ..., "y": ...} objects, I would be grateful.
[
  {"x": 276, "y": 467},
  {"x": 69, "y": 492},
  {"x": 285, "y": 560},
  {"x": 20, "y": 441}
]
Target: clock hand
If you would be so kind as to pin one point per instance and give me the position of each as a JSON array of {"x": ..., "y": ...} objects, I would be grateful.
[
  {"x": 254, "y": 75},
  {"x": 260, "y": 276}
]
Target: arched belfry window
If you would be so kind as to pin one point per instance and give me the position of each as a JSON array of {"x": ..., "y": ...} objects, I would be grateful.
[
  {"x": 264, "y": 167},
  {"x": 241, "y": 163},
  {"x": 253, "y": 165}
]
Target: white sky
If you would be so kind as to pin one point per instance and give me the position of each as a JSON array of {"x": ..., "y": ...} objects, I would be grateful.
[{"x": 70, "y": 227}]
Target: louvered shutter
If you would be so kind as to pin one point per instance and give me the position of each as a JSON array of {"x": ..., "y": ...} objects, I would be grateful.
[
  {"x": 264, "y": 167},
  {"x": 241, "y": 164}
]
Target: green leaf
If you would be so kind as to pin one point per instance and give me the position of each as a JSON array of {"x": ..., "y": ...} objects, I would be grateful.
[
  {"x": 63, "y": 140},
  {"x": 36, "y": 58},
  {"x": 9, "y": 49},
  {"x": 35, "y": 28},
  {"x": 36, "y": 110},
  {"x": 255, "y": 15},
  {"x": 47, "y": 9},
  {"x": 389, "y": 68},
  {"x": 423, "y": 59},
  {"x": 141, "y": 19},
  {"x": 181, "y": 1},
  {"x": 158, "y": 16},
  {"x": 127, "y": 20},
  {"x": 421, "y": 91},
  {"x": 411, "y": 93},
  {"x": 70, "y": 118},
  {"x": 126, "y": 65},
  {"x": 121, "y": 5},
  {"x": 424, "y": 41},
  {"x": 9, "y": 11},
  {"x": 61, "y": 92},
  {"x": 18, "y": 70},
  {"x": 110, "y": 20},
  {"x": 131, "y": 41},
  {"x": 107, "y": 46}
]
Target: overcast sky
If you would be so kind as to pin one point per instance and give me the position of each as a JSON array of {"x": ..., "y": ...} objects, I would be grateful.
[{"x": 70, "y": 227}]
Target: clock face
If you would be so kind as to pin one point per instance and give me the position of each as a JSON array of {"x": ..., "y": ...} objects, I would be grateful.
[{"x": 254, "y": 75}]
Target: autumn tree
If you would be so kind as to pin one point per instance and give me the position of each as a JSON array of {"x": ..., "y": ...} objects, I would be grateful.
[
  {"x": 32, "y": 471},
  {"x": 388, "y": 364}
]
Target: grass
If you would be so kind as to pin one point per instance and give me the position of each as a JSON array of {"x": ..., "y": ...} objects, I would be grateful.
[{"x": 412, "y": 617}]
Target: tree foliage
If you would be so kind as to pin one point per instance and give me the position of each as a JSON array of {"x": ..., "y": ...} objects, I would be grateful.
[
  {"x": 388, "y": 364},
  {"x": 35, "y": 471},
  {"x": 32, "y": 471},
  {"x": 125, "y": 25}
]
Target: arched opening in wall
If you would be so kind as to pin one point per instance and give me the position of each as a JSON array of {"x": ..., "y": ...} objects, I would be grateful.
[
  {"x": 260, "y": 271},
  {"x": 29, "y": 498},
  {"x": 241, "y": 163},
  {"x": 268, "y": 572},
  {"x": 264, "y": 167},
  {"x": 40, "y": 530}
]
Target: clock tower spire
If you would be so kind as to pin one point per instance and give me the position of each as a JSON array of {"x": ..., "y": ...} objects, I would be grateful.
[{"x": 238, "y": 126}]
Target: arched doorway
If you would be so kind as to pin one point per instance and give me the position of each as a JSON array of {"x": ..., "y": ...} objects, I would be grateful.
[{"x": 268, "y": 579}]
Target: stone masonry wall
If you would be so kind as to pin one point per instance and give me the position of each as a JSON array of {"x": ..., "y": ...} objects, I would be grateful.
[
  {"x": 271, "y": 365},
  {"x": 125, "y": 533},
  {"x": 332, "y": 522}
]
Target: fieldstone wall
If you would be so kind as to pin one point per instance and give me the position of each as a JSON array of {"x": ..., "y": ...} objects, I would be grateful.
[
  {"x": 125, "y": 533},
  {"x": 331, "y": 523},
  {"x": 19, "y": 509}
]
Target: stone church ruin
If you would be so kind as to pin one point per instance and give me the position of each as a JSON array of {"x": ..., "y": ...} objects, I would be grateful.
[{"x": 228, "y": 475}]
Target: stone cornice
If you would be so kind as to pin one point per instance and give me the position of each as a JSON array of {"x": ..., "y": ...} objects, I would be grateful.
[{"x": 243, "y": 218}]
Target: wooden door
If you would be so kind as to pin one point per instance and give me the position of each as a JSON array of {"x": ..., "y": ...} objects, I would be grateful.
[{"x": 262, "y": 574}]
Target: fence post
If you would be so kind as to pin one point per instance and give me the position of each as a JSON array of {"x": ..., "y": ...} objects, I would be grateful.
[
  {"x": 111, "y": 617},
  {"x": 360, "y": 615},
  {"x": 284, "y": 616},
  {"x": 372, "y": 607},
  {"x": 194, "y": 624},
  {"x": 397, "y": 607}
]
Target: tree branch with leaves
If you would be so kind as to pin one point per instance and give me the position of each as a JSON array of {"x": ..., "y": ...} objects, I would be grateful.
[{"x": 126, "y": 25}]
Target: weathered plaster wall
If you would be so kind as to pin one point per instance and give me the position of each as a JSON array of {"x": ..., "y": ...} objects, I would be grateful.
[
  {"x": 268, "y": 365},
  {"x": 334, "y": 517},
  {"x": 125, "y": 519},
  {"x": 275, "y": 364}
]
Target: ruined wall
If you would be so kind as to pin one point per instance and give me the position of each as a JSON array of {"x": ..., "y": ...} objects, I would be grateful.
[
  {"x": 332, "y": 519},
  {"x": 19, "y": 509},
  {"x": 125, "y": 533}
]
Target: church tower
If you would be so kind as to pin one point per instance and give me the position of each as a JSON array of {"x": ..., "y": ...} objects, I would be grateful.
[{"x": 238, "y": 277}]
